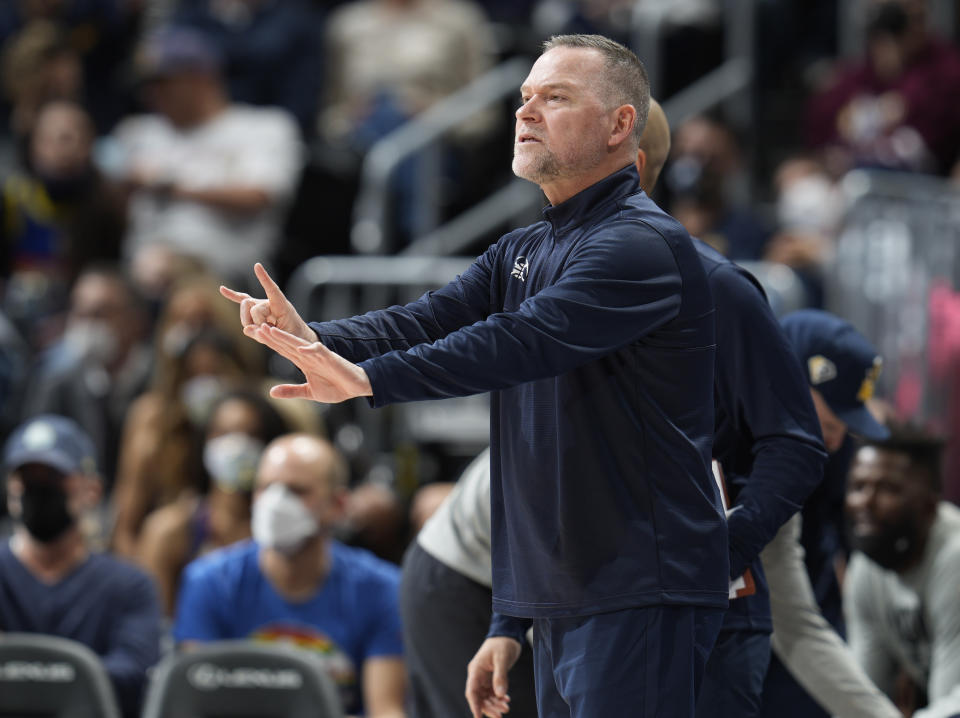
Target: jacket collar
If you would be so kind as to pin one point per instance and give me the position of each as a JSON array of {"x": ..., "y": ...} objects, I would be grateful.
[{"x": 594, "y": 199}]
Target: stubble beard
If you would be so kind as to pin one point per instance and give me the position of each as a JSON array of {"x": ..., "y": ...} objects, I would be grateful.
[
  {"x": 537, "y": 169},
  {"x": 545, "y": 166}
]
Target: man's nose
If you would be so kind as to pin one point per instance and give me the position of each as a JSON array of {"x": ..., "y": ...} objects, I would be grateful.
[{"x": 528, "y": 111}]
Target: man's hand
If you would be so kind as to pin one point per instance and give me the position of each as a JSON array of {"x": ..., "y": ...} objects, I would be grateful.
[
  {"x": 330, "y": 378},
  {"x": 487, "y": 677},
  {"x": 276, "y": 310}
]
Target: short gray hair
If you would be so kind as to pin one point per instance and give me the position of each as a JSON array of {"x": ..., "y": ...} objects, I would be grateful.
[{"x": 626, "y": 78}]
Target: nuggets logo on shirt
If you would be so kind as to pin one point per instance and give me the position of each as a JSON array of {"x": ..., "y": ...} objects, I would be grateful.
[{"x": 337, "y": 663}]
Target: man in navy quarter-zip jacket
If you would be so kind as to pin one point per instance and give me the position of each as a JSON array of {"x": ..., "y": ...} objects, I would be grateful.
[{"x": 594, "y": 331}]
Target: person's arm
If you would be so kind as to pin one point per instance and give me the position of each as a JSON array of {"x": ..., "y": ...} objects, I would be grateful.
[
  {"x": 384, "y": 675},
  {"x": 134, "y": 642},
  {"x": 806, "y": 644},
  {"x": 463, "y": 301},
  {"x": 766, "y": 395},
  {"x": 864, "y": 631},
  {"x": 610, "y": 295},
  {"x": 942, "y": 615},
  {"x": 384, "y": 681},
  {"x": 164, "y": 547},
  {"x": 237, "y": 198},
  {"x": 135, "y": 482}
]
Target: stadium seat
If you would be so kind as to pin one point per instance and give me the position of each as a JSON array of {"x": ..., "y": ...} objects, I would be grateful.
[
  {"x": 240, "y": 679},
  {"x": 50, "y": 677}
]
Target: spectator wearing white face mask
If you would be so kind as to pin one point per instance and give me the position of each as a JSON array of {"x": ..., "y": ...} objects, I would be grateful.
[
  {"x": 240, "y": 425},
  {"x": 294, "y": 583}
]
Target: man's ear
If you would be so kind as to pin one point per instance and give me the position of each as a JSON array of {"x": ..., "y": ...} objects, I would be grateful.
[{"x": 625, "y": 118}]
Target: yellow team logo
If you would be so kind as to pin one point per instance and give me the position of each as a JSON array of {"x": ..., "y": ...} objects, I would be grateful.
[
  {"x": 821, "y": 369},
  {"x": 870, "y": 380}
]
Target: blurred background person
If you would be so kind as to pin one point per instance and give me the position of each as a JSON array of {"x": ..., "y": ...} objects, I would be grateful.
[
  {"x": 389, "y": 60},
  {"x": 707, "y": 188},
  {"x": 58, "y": 215},
  {"x": 100, "y": 33},
  {"x": 241, "y": 424},
  {"x": 208, "y": 176},
  {"x": 198, "y": 355},
  {"x": 273, "y": 51},
  {"x": 38, "y": 65},
  {"x": 294, "y": 583},
  {"x": 100, "y": 366},
  {"x": 50, "y": 580},
  {"x": 898, "y": 107},
  {"x": 904, "y": 575}
]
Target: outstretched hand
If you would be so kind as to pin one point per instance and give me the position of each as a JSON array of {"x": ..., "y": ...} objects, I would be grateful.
[
  {"x": 276, "y": 324},
  {"x": 276, "y": 310},
  {"x": 330, "y": 377}
]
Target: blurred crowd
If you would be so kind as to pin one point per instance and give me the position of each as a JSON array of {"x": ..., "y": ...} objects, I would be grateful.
[{"x": 151, "y": 150}]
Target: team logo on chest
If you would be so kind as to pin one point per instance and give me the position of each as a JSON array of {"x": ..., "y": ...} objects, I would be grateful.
[{"x": 520, "y": 268}]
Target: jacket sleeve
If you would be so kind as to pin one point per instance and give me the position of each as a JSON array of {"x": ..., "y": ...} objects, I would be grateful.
[
  {"x": 611, "y": 293},
  {"x": 510, "y": 626},
  {"x": 436, "y": 314},
  {"x": 761, "y": 385}
]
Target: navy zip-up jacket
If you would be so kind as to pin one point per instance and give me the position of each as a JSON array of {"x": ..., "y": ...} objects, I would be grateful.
[
  {"x": 767, "y": 433},
  {"x": 594, "y": 330}
]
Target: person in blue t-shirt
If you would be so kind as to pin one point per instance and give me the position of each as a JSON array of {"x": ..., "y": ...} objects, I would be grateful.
[
  {"x": 50, "y": 582},
  {"x": 294, "y": 584}
]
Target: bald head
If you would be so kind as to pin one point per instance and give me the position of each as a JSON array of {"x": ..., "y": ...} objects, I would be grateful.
[
  {"x": 302, "y": 459},
  {"x": 654, "y": 147}
]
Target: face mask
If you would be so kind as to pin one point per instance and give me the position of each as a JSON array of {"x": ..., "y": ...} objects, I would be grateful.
[
  {"x": 231, "y": 460},
  {"x": 176, "y": 340},
  {"x": 810, "y": 203},
  {"x": 890, "y": 546},
  {"x": 281, "y": 520},
  {"x": 43, "y": 509},
  {"x": 91, "y": 340},
  {"x": 199, "y": 394}
]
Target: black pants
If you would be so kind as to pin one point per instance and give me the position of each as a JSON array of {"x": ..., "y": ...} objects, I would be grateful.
[{"x": 446, "y": 617}]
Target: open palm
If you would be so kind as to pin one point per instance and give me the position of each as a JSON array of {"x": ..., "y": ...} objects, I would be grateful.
[{"x": 330, "y": 378}]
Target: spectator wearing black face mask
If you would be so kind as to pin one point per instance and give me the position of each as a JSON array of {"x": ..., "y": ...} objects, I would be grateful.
[
  {"x": 50, "y": 582},
  {"x": 903, "y": 580}
]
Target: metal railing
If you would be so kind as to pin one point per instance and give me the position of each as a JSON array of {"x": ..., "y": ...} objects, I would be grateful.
[
  {"x": 897, "y": 257},
  {"x": 371, "y": 232}
]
